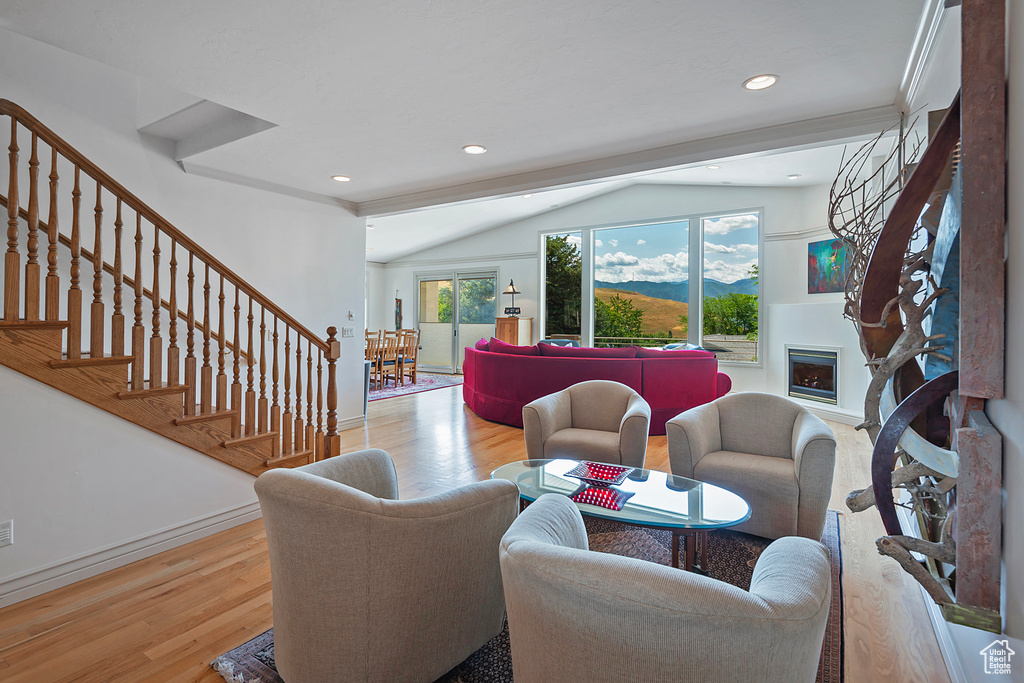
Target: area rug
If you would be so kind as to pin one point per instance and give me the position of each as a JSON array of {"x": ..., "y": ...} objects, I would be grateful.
[
  {"x": 424, "y": 382},
  {"x": 731, "y": 555}
]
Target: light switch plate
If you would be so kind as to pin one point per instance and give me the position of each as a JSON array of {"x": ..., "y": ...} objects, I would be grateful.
[{"x": 348, "y": 332}]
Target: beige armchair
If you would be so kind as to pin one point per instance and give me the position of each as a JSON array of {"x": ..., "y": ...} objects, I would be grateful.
[
  {"x": 598, "y": 420},
  {"x": 771, "y": 451},
  {"x": 576, "y": 615},
  {"x": 370, "y": 588}
]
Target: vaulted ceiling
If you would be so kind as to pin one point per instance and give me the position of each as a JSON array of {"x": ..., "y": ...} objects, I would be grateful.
[{"x": 560, "y": 92}]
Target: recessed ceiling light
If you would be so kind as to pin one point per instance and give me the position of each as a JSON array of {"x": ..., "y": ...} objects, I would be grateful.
[
  {"x": 371, "y": 226},
  {"x": 793, "y": 176},
  {"x": 341, "y": 178},
  {"x": 527, "y": 196},
  {"x": 713, "y": 167},
  {"x": 760, "y": 82},
  {"x": 474, "y": 149}
]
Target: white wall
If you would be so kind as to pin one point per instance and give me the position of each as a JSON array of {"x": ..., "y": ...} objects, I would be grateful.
[
  {"x": 87, "y": 481},
  {"x": 792, "y": 217}
]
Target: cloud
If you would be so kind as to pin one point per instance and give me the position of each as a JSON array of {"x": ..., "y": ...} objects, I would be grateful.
[
  {"x": 617, "y": 259},
  {"x": 575, "y": 239},
  {"x": 734, "y": 249},
  {"x": 639, "y": 242},
  {"x": 598, "y": 243},
  {"x": 719, "y": 248},
  {"x": 620, "y": 267},
  {"x": 614, "y": 243},
  {"x": 727, "y": 272},
  {"x": 727, "y": 224}
]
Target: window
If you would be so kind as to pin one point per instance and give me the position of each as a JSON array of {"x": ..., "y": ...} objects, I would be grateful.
[{"x": 637, "y": 285}]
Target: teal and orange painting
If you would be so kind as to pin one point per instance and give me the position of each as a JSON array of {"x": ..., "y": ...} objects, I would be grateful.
[{"x": 828, "y": 265}]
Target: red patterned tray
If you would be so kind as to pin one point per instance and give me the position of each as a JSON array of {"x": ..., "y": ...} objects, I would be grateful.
[
  {"x": 601, "y": 496},
  {"x": 600, "y": 473}
]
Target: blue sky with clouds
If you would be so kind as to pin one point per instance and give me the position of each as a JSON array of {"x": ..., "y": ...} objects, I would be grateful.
[{"x": 659, "y": 253}]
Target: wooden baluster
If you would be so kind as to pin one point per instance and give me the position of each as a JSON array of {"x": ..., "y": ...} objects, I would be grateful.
[
  {"x": 236, "y": 386},
  {"x": 12, "y": 259},
  {"x": 299, "y": 426},
  {"x": 190, "y": 342},
  {"x": 332, "y": 440},
  {"x": 156, "y": 342},
  {"x": 319, "y": 404},
  {"x": 75, "y": 291},
  {"x": 96, "y": 311},
  {"x": 275, "y": 409},
  {"x": 138, "y": 329},
  {"x": 32, "y": 265},
  {"x": 286, "y": 419},
  {"x": 262, "y": 405},
  {"x": 173, "y": 352},
  {"x": 310, "y": 443},
  {"x": 222, "y": 378},
  {"x": 250, "y": 393},
  {"x": 117, "y": 320},
  {"x": 52, "y": 277},
  {"x": 206, "y": 398}
]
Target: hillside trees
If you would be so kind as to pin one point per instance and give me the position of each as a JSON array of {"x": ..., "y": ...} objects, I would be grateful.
[
  {"x": 617, "y": 318},
  {"x": 564, "y": 273}
]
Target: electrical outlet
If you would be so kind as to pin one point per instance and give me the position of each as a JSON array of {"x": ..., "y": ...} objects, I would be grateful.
[
  {"x": 348, "y": 332},
  {"x": 7, "y": 533}
]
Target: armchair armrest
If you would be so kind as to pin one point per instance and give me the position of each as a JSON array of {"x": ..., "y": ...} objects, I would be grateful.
[
  {"x": 633, "y": 431},
  {"x": 814, "y": 459},
  {"x": 544, "y": 417},
  {"x": 692, "y": 435}
]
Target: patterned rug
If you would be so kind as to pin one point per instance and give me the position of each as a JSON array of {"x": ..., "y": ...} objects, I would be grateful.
[
  {"x": 424, "y": 382},
  {"x": 731, "y": 554}
]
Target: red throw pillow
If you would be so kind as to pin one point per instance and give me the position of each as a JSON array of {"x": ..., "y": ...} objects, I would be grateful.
[
  {"x": 674, "y": 353},
  {"x": 481, "y": 345},
  {"x": 587, "y": 352},
  {"x": 498, "y": 346}
]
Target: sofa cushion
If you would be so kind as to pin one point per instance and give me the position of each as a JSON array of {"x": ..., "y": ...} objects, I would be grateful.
[
  {"x": 482, "y": 345},
  {"x": 769, "y": 485},
  {"x": 587, "y": 352},
  {"x": 498, "y": 346},
  {"x": 674, "y": 353},
  {"x": 584, "y": 444}
]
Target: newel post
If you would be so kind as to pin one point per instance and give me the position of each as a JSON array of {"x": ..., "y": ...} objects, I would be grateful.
[{"x": 332, "y": 442}]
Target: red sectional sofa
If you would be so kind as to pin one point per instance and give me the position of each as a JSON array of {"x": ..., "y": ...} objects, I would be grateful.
[{"x": 499, "y": 378}]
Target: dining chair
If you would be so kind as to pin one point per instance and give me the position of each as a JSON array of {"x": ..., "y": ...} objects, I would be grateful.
[
  {"x": 408, "y": 355},
  {"x": 389, "y": 357}
]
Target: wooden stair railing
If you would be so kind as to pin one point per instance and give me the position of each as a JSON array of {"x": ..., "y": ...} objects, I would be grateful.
[{"x": 242, "y": 323}]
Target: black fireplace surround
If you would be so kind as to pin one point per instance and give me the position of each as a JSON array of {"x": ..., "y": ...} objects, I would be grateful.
[{"x": 813, "y": 375}]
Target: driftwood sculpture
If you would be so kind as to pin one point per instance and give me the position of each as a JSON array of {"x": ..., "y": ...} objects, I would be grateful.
[{"x": 889, "y": 226}]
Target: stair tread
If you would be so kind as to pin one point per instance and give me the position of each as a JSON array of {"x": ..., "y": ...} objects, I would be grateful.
[
  {"x": 250, "y": 438},
  {"x": 36, "y": 324},
  {"x": 87, "y": 359},
  {"x": 204, "y": 417},
  {"x": 285, "y": 459},
  {"x": 147, "y": 390}
]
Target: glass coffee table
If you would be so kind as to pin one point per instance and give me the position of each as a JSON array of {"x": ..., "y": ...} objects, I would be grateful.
[{"x": 653, "y": 499}]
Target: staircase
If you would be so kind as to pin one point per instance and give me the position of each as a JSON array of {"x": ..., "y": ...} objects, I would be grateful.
[{"x": 228, "y": 393}]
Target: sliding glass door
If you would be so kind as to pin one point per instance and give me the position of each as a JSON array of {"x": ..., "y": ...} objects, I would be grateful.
[{"x": 454, "y": 310}]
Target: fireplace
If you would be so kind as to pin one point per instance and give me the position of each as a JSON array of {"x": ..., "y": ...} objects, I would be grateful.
[{"x": 814, "y": 374}]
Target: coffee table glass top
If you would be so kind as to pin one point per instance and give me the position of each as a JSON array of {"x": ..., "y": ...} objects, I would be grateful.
[{"x": 658, "y": 500}]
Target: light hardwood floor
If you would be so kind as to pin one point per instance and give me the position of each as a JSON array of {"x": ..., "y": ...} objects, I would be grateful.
[{"x": 164, "y": 618}]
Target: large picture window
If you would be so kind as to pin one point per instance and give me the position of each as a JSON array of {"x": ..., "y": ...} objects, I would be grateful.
[{"x": 638, "y": 285}]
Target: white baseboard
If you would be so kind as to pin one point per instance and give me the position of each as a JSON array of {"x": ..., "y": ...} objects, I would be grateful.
[
  {"x": 65, "y": 572},
  {"x": 846, "y": 417},
  {"x": 351, "y": 423}
]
